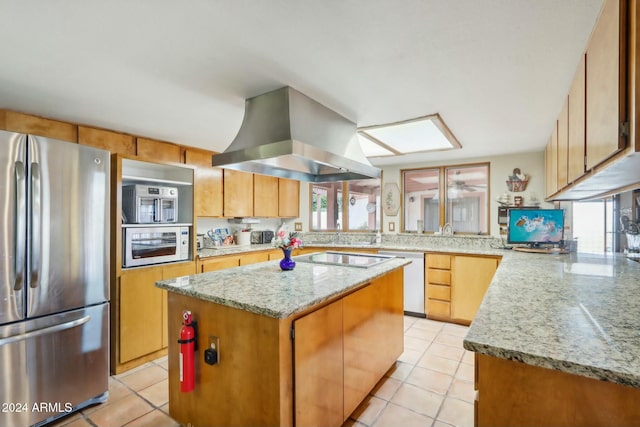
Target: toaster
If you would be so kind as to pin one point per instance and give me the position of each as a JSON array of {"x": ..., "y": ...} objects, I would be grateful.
[
  {"x": 267, "y": 236},
  {"x": 259, "y": 237}
]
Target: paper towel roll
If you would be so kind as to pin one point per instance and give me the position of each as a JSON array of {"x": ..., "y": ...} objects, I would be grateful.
[{"x": 243, "y": 238}]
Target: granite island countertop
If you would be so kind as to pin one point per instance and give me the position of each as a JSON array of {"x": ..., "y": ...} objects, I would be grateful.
[
  {"x": 265, "y": 289},
  {"x": 574, "y": 313}
]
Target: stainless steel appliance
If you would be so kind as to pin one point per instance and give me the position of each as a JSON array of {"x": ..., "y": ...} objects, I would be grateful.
[
  {"x": 148, "y": 204},
  {"x": 413, "y": 282},
  {"x": 264, "y": 236},
  {"x": 54, "y": 278},
  {"x": 154, "y": 245},
  {"x": 346, "y": 259},
  {"x": 285, "y": 133}
]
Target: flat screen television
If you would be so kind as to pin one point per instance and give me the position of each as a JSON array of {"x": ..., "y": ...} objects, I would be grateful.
[{"x": 535, "y": 227}]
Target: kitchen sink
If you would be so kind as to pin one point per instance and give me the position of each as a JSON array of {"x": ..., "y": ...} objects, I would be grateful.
[{"x": 347, "y": 259}]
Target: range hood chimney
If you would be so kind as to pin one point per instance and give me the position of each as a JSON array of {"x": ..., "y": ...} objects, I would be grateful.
[{"x": 289, "y": 135}]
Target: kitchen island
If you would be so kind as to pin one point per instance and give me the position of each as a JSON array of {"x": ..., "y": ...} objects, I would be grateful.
[
  {"x": 300, "y": 347},
  {"x": 557, "y": 342}
]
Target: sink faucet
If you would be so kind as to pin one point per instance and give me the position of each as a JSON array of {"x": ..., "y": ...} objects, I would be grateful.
[{"x": 447, "y": 230}]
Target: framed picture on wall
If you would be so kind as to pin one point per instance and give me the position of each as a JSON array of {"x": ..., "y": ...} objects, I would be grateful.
[{"x": 391, "y": 199}]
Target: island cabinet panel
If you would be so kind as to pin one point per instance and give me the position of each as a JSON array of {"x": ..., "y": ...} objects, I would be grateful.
[
  {"x": 265, "y": 196},
  {"x": 604, "y": 103},
  {"x": 25, "y": 123},
  {"x": 171, "y": 272},
  {"x": 288, "y": 198},
  {"x": 318, "y": 364},
  {"x": 512, "y": 393},
  {"x": 238, "y": 193},
  {"x": 252, "y": 383},
  {"x": 470, "y": 279},
  {"x": 208, "y": 185},
  {"x": 372, "y": 317}
]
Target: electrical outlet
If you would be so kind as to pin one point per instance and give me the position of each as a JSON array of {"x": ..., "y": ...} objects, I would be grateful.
[{"x": 212, "y": 352}]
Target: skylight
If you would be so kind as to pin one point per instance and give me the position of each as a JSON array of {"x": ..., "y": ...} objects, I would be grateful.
[{"x": 428, "y": 133}]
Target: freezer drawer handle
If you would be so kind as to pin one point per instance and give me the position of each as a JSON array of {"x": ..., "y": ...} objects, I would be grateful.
[
  {"x": 45, "y": 331},
  {"x": 21, "y": 228}
]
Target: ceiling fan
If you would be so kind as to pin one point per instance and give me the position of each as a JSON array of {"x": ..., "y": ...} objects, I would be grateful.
[{"x": 459, "y": 184}]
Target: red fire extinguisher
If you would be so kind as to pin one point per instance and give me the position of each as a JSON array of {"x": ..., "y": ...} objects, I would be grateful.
[{"x": 187, "y": 348}]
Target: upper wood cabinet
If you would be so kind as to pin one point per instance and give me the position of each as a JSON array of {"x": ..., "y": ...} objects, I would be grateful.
[
  {"x": 288, "y": 198},
  {"x": 576, "y": 143},
  {"x": 606, "y": 84},
  {"x": 208, "y": 186},
  {"x": 25, "y": 123},
  {"x": 551, "y": 162},
  {"x": 563, "y": 146},
  {"x": 107, "y": 140},
  {"x": 265, "y": 196},
  {"x": 238, "y": 193},
  {"x": 157, "y": 151}
]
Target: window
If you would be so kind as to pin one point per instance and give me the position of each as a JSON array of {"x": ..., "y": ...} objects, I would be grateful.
[
  {"x": 455, "y": 195},
  {"x": 361, "y": 197}
]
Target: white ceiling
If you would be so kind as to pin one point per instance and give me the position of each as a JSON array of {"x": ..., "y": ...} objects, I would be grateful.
[{"x": 497, "y": 71}]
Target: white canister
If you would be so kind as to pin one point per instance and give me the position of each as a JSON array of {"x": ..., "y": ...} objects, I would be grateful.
[{"x": 243, "y": 238}]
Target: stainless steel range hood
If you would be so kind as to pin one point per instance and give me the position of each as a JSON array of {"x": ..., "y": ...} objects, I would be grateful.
[{"x": 287, "y": 134}]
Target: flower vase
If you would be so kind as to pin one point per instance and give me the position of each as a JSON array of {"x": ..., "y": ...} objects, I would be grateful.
[{"x": 287, "y": 263}]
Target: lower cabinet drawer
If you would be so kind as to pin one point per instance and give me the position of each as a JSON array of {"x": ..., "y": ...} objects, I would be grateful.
[
  {"x": 436, "y": 308},
  {"x": 440, "y": 277},
  {"x": 440, "y": 292}
]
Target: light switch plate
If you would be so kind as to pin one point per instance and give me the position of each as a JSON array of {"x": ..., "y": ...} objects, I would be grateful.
[{"x": 297, "y": 226}]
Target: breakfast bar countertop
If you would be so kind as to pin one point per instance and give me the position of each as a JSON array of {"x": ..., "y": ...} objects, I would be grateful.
[
  {"x": 265, "y": 289},
  {"x": 573, "y": 313}
]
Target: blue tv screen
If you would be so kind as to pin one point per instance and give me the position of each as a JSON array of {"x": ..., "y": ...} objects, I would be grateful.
[{"x": 535, "y": 226}]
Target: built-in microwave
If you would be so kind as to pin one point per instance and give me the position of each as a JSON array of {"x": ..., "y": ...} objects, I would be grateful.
[
  {"x": 148, "y": 204},
  {"x": 154, "y": 245}
]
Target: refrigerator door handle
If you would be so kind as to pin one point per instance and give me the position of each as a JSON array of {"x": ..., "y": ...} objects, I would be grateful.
[
  {"x": 21, "y": 227},
  {"x": 36, "y": 213},
  {"x": 157, "y": 210},
  {"x": 45, "y": 331}
]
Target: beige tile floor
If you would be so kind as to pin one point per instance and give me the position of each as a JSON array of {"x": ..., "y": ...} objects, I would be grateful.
[{"x": 430, "y": 385}]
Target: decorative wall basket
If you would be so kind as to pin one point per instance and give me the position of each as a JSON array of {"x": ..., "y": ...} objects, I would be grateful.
[{"x": 517, "y": 185}]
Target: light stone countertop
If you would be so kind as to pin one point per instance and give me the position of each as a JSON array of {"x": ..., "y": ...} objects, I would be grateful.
[
  {"x": 575, "y": 313},
  {"x": 265, "y": 289}
]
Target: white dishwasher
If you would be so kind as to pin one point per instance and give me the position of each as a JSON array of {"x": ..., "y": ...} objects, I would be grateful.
[{"x": 413, "y": 282}]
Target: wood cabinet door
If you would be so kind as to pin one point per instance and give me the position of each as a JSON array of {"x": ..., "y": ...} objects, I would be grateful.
[
  {"x": 288, "y": 198},
  {"x": 470, "y": 279},
  {"x": 252, "y": 258},
  {"x": 551, "y": 163},
  {"x": 563, "y": 146},
  {"x": 238, "y": 193},
  {"x": 218, "y": 263},
  {"x": 265, "y": 196},
  {"x": 208, "y": 186},
  {"x": 318, "y": 367},
  {"x": 107, "y": 140},
  {"x": 605, "y": 104},
  {"x": 140, "y": 313},
  {"x": 25, "y": 123},
  {"x": 157, "y": 151},
  {"x": 576, "y": 141}
]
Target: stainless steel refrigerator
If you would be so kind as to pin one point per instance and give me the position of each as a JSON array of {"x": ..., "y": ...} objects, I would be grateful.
[{"x": 54, "y": 278}]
